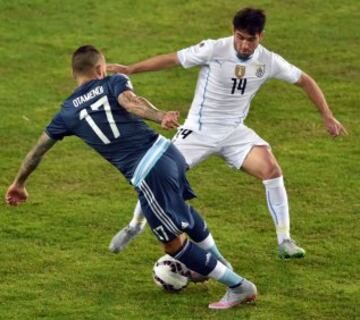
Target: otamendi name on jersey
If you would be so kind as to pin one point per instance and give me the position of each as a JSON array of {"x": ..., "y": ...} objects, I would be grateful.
[{"x": 88, "y": 96}]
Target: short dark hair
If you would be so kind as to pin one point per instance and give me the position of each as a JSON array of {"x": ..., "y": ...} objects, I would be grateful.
[
  {"x": 85, "y": 59},
  {"x": 250, "y": 20}
]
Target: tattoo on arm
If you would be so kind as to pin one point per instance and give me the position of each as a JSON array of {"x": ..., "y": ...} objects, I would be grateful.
[
  {"x": 140, "y": 106},
  {"x": 34, "y": 157}
]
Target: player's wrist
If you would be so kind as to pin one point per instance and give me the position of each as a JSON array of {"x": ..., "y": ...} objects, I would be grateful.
[
  {"x": 19, "y": 183},
  {"x": 327, "y": 115},
  {"x": 131, "y": 69},
  {"x": 161, "y": 116}
]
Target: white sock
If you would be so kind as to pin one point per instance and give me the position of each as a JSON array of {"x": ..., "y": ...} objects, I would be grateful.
[
  {"x": 278, "y": 206},
  {"x": 138, "y": 219}
]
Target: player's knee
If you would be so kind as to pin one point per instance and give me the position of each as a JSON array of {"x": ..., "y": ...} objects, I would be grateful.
[
  {"x": 175, "y": 245},
  {"x": 271, "y": 171}
]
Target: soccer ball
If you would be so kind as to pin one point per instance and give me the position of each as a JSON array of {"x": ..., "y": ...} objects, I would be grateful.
[{"x": 170, "y": 274}]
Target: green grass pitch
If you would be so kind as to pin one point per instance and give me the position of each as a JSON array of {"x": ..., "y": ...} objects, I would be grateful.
[{"x": 54, "y": 262}]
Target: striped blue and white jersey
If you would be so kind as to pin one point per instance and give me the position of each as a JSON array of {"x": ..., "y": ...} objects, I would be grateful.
[
  {"x": 93, "y": 113},
  {"x": 226, "y": 85}
]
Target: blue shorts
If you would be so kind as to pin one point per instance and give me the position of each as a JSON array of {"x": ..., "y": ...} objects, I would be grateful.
[{"x": 162, "y": 196}]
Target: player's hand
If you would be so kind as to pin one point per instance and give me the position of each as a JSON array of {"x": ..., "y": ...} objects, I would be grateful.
[
  {"x": 16, "y": 195},
  {"x": 170, "y": 120},
  {"x": 334, "y": 127},
  {"x": 118, "y": 68}
]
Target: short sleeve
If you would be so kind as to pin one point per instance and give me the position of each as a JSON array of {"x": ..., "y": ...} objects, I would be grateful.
[
  {"x": 120, "y": 83},
  {"x": 199, "y": 54},
  {"x": 57, "y": 129},
  {"x": 283, "y": 70}
]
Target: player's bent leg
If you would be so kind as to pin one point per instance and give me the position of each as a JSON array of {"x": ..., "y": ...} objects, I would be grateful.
[
  {"x": 167, "y": 215},
  {"x": 166, "y": 228},
  {"x": 261, "y": 163},
  {"x": 239, "y": 289},
  {"x": 201, "y": 235},
  {"x": 136, "y": 226}
]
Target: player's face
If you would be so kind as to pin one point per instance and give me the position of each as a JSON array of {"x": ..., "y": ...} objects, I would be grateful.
[{"x": 245, "y": 43}]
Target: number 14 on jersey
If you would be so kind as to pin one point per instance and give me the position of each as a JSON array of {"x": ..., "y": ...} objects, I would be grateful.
[{"x": 238, "y": 84}]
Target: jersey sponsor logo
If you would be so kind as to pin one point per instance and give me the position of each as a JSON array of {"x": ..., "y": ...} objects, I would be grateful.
[
  {"x": 208, "y": 257},
  {"x": 240, "y": 71},
  {"x": 184, "y": 225},
  {"x": 88, "y": 96},
  {"x": 260, "y": 70}
]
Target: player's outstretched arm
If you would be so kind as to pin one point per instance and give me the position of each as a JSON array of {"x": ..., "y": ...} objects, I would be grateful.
[
  {"x": 152, "y": 64},
  {"x": 312, "y": 89},
  {"x": 17, "y": 193},
  {"x": 145, "y": 109}
]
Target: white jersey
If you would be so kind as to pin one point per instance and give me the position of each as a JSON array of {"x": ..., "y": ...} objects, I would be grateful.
[{"x": 226, "y": 84}]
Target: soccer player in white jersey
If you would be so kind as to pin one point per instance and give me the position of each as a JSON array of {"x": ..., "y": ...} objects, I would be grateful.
[{"x": 232, "y": 70}]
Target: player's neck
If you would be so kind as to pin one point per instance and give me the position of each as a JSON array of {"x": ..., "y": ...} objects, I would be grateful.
[{"x": 82, "y": 79}]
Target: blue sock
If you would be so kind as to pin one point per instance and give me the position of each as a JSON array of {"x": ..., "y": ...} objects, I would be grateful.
[
  {"x": 231, "y": 279},
  {"x": 196, "y": 258},
  {"x": 226, "y": 276},
  {"x": 215, "y": 252},
  {"x": 209, "y": 245},
  {"x": 200, "y": 234},
  {"x": 204, "y": 263}
]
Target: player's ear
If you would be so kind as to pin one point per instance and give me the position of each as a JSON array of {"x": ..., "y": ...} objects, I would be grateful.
[
  {"x": 261, "y": 35},
  {"x": 98, "y": 69}
]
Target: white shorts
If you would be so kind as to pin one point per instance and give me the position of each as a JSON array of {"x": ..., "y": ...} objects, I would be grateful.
[{"x": 232, "y": 145}]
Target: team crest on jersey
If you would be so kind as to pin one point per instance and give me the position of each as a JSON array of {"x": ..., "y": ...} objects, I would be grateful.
[
  {"x": 240, "y": 71},
  {"x": 260, "y": 70}
]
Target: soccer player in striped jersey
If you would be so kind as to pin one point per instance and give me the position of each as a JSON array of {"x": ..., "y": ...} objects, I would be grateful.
[
  {"x": 232, "y": 70},
  {"x": 106, "y": 114}
]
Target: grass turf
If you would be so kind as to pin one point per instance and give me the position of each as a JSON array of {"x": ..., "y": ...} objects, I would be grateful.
[{"x": 54, "y": 259}]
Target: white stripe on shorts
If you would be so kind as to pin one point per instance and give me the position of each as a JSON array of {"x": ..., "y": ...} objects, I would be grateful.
[
  {"x": 158, "y": 211},
  {"x": 149, "y": 160}
]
